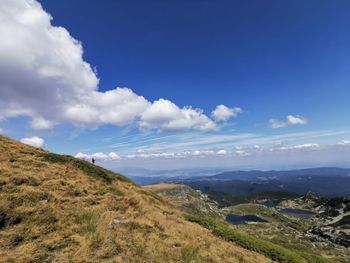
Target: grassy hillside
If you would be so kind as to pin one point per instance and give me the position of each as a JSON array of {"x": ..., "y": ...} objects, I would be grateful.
[{"x": 56, "y": 208}]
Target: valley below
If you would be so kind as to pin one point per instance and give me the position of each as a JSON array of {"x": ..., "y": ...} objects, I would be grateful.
[{"x": 308, "y": 224}]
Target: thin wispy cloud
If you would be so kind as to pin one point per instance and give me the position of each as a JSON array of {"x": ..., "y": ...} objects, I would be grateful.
[
  {"x": 254, "y": 151},
  {"x": 190, "y": 141}
]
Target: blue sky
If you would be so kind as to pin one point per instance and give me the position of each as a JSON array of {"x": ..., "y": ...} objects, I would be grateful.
[{"x": 277, "y": 73}]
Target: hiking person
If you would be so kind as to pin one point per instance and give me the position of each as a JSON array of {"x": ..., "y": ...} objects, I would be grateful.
[{"x": 93, "y": 160}]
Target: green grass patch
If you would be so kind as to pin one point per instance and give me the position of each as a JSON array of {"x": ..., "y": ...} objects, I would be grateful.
[
  {"x": 269, "y": 249},
  {"x": 88, "y": 168}
]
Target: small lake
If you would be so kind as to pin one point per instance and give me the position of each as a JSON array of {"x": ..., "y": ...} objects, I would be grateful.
[
  {"x": 297, "y": 213},
  {"x": 268, "y": 204},
  {"x": 237, "y": 220}
]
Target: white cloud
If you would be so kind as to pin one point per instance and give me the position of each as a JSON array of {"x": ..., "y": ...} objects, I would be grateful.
[
  {"x": 56, "y": 85},
  {"x": 2, "y": 130},
  {"x": 113, "y": 156},
  {"x": 221, "y": 152},
  {"x": 290, "y": 120},
  {"x": 295, "y": 120},
  {"x": 307, "y": 146},
  {"x": 120, "y": 106},
  {"x": 165, "y": 115},
  {"x": 81, "y": 155},
  {"x": 199, "y": 153},
  {"x": 223, "y": 113},
  {"x": 34, "y": 141},
  {"x": 47, "y": 59},
  {"x": 41, "y": 124},
  {"x": 344, "y": 143},
  {"x": 99, "y": 156}
]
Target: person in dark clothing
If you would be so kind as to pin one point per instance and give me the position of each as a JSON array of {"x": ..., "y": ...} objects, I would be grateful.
[{"x": 93, "y": 160}]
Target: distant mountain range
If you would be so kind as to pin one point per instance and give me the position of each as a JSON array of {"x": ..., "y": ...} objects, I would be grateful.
[
  {"x": 146, "y": 176},
  {"x": 325, "y": 181},
  {"x": 273, "y": 174}
]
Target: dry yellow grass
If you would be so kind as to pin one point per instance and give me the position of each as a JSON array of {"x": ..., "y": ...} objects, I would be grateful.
[{"x": 55, "y": 212}]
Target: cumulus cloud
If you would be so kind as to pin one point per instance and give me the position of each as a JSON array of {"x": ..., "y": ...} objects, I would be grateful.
[
  {"x": 41, "y": 124},
  {"x": 119, "y": 107},
  {"x": 81, "y": 155},
  {"x": 165, "y": 115},
  {"x": 47, "y": 59},
  {"x": 290, "y": 120},
  {"x": 34, "y": 141},
  {"x": 56, "y": 85},
  {"x": 223, "y": 113}
]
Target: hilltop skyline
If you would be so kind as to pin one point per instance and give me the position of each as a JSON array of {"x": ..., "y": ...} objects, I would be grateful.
[{"x": 181, "y": 84}]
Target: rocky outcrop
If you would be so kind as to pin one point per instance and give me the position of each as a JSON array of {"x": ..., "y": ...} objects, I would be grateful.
[{"x": 332, "y": 220}]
